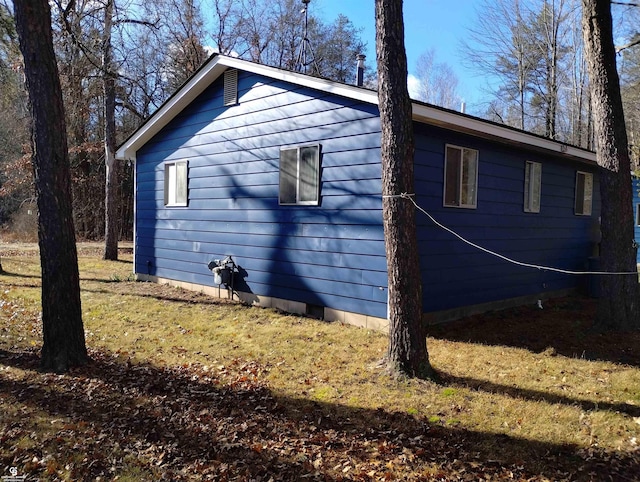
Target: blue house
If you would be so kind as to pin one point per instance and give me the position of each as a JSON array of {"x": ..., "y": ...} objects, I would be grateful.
[{"x": 281, "y": 172}]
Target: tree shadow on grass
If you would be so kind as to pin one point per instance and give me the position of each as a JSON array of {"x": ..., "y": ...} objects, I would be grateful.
[
  {"x": 38, "y": 283},
  {"x": 191, "y": 422},
  {"x": 165, "y": 293},
  {"x": 536, "y": 395},
  {"x": 118, "y": 261},
  {"x": 153, "y": 291},
  {"x": 564, "y": 326},
  {"x": 10, "y": 274},
  {"x": 19, "y": 275}
]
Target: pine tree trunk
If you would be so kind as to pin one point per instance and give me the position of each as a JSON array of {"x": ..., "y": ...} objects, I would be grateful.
[
  {"x": 619, "y": 305},
  {"x": 64, "y": 343},
  {"x": 112, "y": 178},
  {"x": 407, "y": 352}
]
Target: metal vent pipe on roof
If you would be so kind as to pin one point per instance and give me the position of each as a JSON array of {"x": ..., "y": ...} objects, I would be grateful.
[{"x": 360, "y": 69}]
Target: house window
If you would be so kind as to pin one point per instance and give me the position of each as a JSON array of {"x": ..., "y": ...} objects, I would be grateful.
[
  {"x": 637, "y": 214},
  {"x": 584, "y": 193},
  {"x": 175, "y": 183},
  {"x": 532, "y": 186},
  {"x": 230, "y": 87},
  {"x": 460, "y": 177},
  {"x": 300, "y": 175}
]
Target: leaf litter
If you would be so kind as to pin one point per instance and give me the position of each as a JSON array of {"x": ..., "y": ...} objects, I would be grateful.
[
  {"x": 197, "y": 422},
  {"x": 122, "y": 418}
]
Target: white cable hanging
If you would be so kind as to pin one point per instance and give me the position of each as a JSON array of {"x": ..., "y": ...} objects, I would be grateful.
[{"x": 498, "y": 255}]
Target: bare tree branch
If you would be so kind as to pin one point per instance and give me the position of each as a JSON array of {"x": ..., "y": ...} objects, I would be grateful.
[
  {"x": 66, "y": 11},
  {"x": 138, "y": 22},
  {"x": 626, "y": 4},
  {"x": 635, "y": 41}
]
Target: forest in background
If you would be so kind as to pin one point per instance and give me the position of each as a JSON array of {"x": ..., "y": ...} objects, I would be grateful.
[{"x": 139, "y": 53}]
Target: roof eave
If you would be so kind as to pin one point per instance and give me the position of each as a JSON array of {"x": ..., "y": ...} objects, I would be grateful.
[
  {"x": 486, "y": 130},
  {"x": 424, "y": 113},
  {"x": 172, "y": 107},
  {"x": 207, "y": 75}
]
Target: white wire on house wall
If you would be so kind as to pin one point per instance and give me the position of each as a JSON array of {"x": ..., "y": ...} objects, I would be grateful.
[{"x": 501, "y": 256}]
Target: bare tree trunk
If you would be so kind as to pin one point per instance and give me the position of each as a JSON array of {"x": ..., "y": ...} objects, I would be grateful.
[
  {"x": 552, "y": 35},
  {"x": 619, "y": 306},
  {"x": 407, "y": 353},
  {"x": 64, "y": 343},
  {"x": 552, "y": 92},
  {"x": 112, "y": 198},
  {"x": 522, "y": 63}
]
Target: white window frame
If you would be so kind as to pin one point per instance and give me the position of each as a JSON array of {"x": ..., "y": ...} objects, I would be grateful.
[
  {"x": 284, "y": 180},
  {"x": 176, "y": 188},
  {"x": 583, "y": 204},
  {"x": 532, "y": 186},
  {"x": 462, "y": 168}
]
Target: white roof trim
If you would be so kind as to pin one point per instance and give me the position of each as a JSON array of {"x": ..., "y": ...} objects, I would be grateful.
[
  {"x": 424, "y": 113},
  {"x": 344, "y": 90},
  {"x": 487, "y": 130},
  {"x": 167, "y": 111}
]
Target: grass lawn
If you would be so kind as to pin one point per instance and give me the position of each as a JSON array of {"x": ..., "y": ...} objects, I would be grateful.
[{"x": 185, "y": 387}]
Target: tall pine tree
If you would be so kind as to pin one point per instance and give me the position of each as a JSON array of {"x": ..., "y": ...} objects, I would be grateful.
[
  {"x": 64, "y": 343},
  {"x": 407, "y": 353},
  {"x": 619, "y": 305}
]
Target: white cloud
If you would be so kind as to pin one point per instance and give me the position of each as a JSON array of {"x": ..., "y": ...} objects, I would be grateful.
[{"x": 413, "y": 84}]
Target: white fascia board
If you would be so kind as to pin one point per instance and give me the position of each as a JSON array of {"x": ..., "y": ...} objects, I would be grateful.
[
  {"x": 486, "y": 130},
  {"x": 421, "y": 112},
  {"x": 207, "y": 75},
  {"x": 172, "y": 107},
  {"x": 324, "y": 85}
]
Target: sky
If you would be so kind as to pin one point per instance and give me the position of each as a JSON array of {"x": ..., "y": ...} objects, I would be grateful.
[{"x": 429, "y": 24}]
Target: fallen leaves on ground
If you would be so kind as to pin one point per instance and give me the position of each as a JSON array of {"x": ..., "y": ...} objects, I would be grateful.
[{"x": 115, "y": 419}]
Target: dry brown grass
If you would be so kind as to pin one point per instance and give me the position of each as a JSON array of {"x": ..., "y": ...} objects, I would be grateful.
[{"x": 530, "y": 390}]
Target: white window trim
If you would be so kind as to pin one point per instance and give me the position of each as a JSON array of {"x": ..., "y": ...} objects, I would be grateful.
[
  {"x": 168, "y": 181},
  {"x": 297, "y": 202},
  {"x": 529, "y": 205},
  {"x": 444, "y": 184},
  {"x": 587, "y": 209}
]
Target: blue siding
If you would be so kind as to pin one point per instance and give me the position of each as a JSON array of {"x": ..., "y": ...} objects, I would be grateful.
[
  {"x": 333, "y": 254},
  {"x": 330, "y": 255},
  {"x": 456, "y": 274}
]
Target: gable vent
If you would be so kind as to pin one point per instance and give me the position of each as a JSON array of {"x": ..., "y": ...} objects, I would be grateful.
[{"x": 231, "y": 87}]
